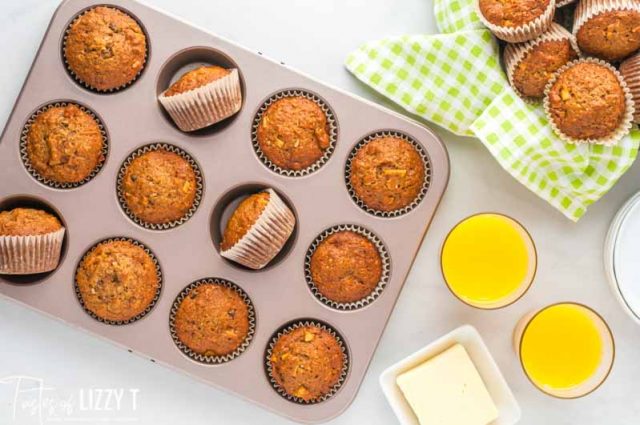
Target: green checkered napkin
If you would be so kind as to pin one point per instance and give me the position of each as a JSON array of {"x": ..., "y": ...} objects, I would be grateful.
[{"x": 455, "y": 80}]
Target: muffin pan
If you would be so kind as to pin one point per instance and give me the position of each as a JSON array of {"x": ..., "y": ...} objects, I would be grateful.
[{"x": 231, "y": 168}]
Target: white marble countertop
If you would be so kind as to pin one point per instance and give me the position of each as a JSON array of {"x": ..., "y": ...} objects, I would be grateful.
[{"x": 315, "y": 37}]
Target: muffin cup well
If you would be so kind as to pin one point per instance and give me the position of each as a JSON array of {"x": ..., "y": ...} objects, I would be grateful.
[
  {"x": 384, "y": 256},
  {"x": 425, "y": 185},
  {"x": 21, "y": 255},
  {"x": 625, "y": 125},
  {"x": 212, "y": 360},
  {"x": 524, "y": 32},
  {"x": 515, "y": 53},
  {"x": 151, "y": 304},
  {"x": 52, "y": 183},
  {"x": 206, "y": 105},
  {"x": 291, "y": 327},
  {"x": 150, "y": 148},
  {"x": 587, "y": 9},
  {"x": 266, "y": 237},
  {"x": 331, "y": 121},
  {"x": 630, "y": 70},
  {"x": 83, "y": 83}
]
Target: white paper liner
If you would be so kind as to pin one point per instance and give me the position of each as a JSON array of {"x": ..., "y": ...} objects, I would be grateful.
[
  {"x": 266, "y": 237},
  {"x": 522, "y": 33},
  {"x": 205, "y": 105},
  {"x": 587, "y": 9},
  {"x": 630, "y": 70},
  {"x": 21, "y": 255},
  {"x": 515, "y": 53},
  {"x": 563, "y": 3},
  {"x": 625, "y": 125}
]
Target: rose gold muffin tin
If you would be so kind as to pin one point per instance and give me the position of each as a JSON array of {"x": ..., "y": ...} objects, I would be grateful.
[{"x": 231, "y": 168}]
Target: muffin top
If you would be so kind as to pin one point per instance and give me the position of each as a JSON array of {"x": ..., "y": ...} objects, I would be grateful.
[
  {"x": 196, "y": 78},
  {"x": 294, "y": 133},
  {"x": 387, "y": 173},
  {"x": 346, "y": 267},
  {"x": 117, "y": 280},
  {"x": 64, "y": 144},
  {"x": 159, "y": 187},
  {"x": 611, "y": 35},
  {"x": 212, "y": 320},
  {"x": 244, "y": 216},
  {"x": 27, "y": 222},
  {"x": 512, "y": 13},
  {"x": 587, "y": 101},
  {"x": 534, "y": 71},
  {"x": 105, "y": 48},
  {"x": 307, "y": 362}
]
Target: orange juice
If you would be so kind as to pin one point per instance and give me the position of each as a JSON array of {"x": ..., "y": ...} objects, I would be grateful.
[
  {"x": 561, "y": 347},
  {"x": 488, "y": 260}
]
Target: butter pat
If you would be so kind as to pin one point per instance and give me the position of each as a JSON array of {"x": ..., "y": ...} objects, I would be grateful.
[{"x": 447, "y": 390}]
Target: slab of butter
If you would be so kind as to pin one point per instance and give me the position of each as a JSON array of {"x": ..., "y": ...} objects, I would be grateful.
[{"x": 447, "y": 390}]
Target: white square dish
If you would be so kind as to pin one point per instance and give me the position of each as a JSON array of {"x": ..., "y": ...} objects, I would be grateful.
[{"x": 508, "y": 409}]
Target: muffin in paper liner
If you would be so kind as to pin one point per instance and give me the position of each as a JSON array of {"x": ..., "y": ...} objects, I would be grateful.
[
  {"x": 515, "y": 53},
  {"x": 52, "y": 183},
  {"x": 630, "y": 70},
  {"x": 524, "y": 32},
  {"x": 331, "y": 121},
  {"x": 626, "y": 124},
  {"x": 266, "y": 237},
  {"x": 201, "y": 358},
  {"x": 425, "y": 185},
  {"x": 20, "y": 255},
  {"x": 384, "y": 256},
  {"x": 83, "y": 83},
  {"x": 205, "y": 105},
  {"x": 151, "y": 305},
  {"x": 295, "y": 325},
  {"x": 170, "y": 148}
]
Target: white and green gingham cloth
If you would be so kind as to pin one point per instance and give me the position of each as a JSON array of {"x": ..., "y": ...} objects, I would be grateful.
[{"x": 455, "y": 80}]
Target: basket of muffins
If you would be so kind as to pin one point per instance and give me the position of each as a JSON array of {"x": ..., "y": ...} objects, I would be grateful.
[{"x": 579, "y": 59}]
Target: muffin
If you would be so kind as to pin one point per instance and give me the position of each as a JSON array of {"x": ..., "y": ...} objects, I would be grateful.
[
  {"x": 257, "y": 230},
  {"x": 105, "y": 48},
  {"x": 531, "y": 65},
  {"x": 307, "y": 362},
  {"x": 30, "y": 241},
  {"x": 117, "y": 281},
  {"x": 64, "y": 144},
  {"x": 630, "y": 70},
  {"x": 608, "y": 29},
  {"x": 159, "y": 187},
  {"x": 345, "y": 267},
  {"x": 203, "y": 97},
  {"x": 517, "y": 21},
  {"x": 212, "y": 320},
  {"x": 387, "y": 174},
  {"x": 293, "y": 133},
  {"x": 588, "y": 102}
]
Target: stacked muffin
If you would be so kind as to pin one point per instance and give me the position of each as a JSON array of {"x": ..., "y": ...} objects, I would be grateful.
[{"x": 587, "y": 79}]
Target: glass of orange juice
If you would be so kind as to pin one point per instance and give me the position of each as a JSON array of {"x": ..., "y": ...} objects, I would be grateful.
[
  {"x": 488, "y": 260},
  {"x": 565, "y": 349}
]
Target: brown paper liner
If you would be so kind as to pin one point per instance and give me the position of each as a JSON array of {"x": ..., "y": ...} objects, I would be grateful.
[
  {"x": 266, "y": 237},
  {"x": 515, "y": 53},
  {"x": 377, "y": 291},
  {"x": 206, "y": 105},
  {"x": 630, "y": 70},
  {"x": 427, "y": 174},
  {"x": 212, "y": 360},
  {"x": 20, "y": 255},
  {"x": 625, "y": 126},
  {"x": 295, "y": 325},
  {"x": 524, "y": 32}
]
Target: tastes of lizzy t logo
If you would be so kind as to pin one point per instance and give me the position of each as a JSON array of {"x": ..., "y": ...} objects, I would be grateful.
[{"x": 26, "y": 400}]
